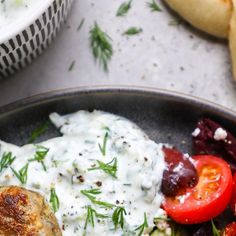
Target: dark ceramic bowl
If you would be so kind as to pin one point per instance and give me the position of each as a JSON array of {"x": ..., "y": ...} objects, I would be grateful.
[{"x": 165, "y": 116}]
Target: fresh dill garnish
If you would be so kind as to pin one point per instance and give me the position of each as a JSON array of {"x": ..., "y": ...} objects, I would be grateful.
[
  {"x": 41, "y": 129},
  {"x": 71, "y": 66},
  {"x": 153, "y": 6},
  {"x": 215, "y": 231},
  {"x": 101, "y": 46},
  {"x": 6, "y": 160},
  {"x": 54, "y": 200},
  {"x": 91, "y": 195},
  {"x": 118, "y": 217},
  {"x": 104, "y": 144},
  {"x": 80, "y": 24},
  {"x": 142, "y": 226},
  {"x": 22, "y": 174},
  {"x": 124, "y": 8},
  {"x": 133, "y": 31},
  {"x": 109, "y": 168},
  {"x": 40, "y": 155},
  {"x": 91, "y": 214}
]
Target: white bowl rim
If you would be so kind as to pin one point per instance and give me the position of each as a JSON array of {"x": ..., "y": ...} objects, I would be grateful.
[{"x": 18, "y": 26}]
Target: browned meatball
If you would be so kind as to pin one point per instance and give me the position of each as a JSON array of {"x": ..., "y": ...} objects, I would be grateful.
[{"x": 25, "y": 213}]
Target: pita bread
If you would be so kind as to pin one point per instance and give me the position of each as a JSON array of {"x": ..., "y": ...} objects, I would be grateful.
[
  {"x": 232, "y": 39},
  {"x": 211, "y": 16}
]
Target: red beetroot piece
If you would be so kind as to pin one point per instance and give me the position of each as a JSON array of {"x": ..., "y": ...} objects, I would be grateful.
[{"x": 211, "y": 138}]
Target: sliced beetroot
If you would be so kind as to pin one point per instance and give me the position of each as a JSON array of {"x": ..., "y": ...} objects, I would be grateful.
[
  {"x": 211, "y": 138},
  {"x": 179, "y": 174}
]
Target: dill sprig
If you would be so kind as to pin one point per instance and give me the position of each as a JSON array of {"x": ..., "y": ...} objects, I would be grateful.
[
  {"x": 91, "y": 214},
  {"x": 6, "y": 160},
  {"x": 133, "y": 31},
  {"x": 22, "y": 174},
  {"x": 124, "y": 8},
  {"x": 109, "y": 168},
  {"x": 41, "y": 129},
  {"x": 80, "y": 24},
  {"x": 153, "y": 6},
  {"x": 54, "y": 200},
  {"x": 118, "y": 217},
  {"x": 142, "y": 226},
  {"x": 101, "y": 46},
  {"x": 71, "y": 67},
  {"x": 40, "y": 155},
  {"x": 104, "y": 144},
  {"x": 91, "y": 195},
  {"x": 215, "y": 231}
]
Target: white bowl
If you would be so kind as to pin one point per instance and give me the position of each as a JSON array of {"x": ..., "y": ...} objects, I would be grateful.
[{"x": 27, "y": 37}]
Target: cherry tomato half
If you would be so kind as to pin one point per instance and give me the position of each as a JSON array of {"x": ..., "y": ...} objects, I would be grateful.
[
  {"x": 208, "y": 198},
  {"x": 230, "y": 229}
]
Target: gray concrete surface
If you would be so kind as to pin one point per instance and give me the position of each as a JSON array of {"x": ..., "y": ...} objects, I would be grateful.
[{"x": 167, "y": 54}]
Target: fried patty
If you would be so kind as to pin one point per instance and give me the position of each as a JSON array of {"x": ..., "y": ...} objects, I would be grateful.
[{"x": 25, "y": 213}]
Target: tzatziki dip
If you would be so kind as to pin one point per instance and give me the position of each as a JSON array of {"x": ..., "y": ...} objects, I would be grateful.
[
  {"x": 102, "y": 176},
  {"x": 15, "y": 10}
]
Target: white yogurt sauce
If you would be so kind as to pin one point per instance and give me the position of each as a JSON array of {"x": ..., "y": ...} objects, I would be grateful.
[
  {"x": 140, "y": 165},
  {"x": 13, "y": 10}
]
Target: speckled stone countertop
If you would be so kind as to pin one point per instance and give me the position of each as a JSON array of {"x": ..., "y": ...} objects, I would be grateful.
[{"x": 167, "y": 54}]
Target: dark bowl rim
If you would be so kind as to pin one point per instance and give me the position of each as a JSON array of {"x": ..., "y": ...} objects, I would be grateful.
[{"x": 109, "y": 89}]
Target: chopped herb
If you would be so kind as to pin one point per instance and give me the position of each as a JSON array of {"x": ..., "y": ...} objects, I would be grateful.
[
  {"x": 215, "y": 231},
  {"x": 153, "y": 6},
  {"x": 80, "y": 24},
  {"x": 109, "y": 168},
  {"x": 142, "y": 226},
  {"x": 40, "y": 155},
  {"x": 6, "y": 160},
  {"x": 104, "y": 144},
  {"x": 124, "y": 8},
  {"x": 71, "y": 66},
  {"x": 91, "y": 213},
  {"x": 118, "y": 217},
  {"x": 90, "y": 195},
  {"x": 133, "y": 31},
  {"x": 22, "y": 174},
  {"x": 175, "y": 22},
  {"x": 41, "y": 129},
  {"x": 54, "y": 200},
  {"x": 101, "y": 46}
]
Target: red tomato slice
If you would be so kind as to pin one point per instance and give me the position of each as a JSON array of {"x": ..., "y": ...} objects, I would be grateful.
[
  {"x": 230, "y": 229},
  {"x": 208, "y": 198}
]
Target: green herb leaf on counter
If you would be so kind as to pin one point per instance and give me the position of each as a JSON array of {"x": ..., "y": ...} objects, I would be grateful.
[
  {"x": 40, "y": 155},
  {"x": 133, "y": 31},
  {"x": 142, "y": 227},
  {"x": 71, "y": 67},
  {"x": 124, "y": 8},
  {"x": 80, "y": 24},
  {"x": 109, "y": 168},
  {"x": 101, "y": 46},
  {"x": 175, "y": 22},
  {"x": 54, "y": 200},
  {"x": 104, "y": 144},
  {"x": 6, "y": 160},
  {"x": 153, "y": 6},
  {"x": 118, "y": 217},
  {"x": 90, "y": 195},
  {"x": 22, "y": 174},
  {"x": 215, "y": 231},
  {"x": 91, "y": 214},
  {"x": 41, "y": 129}
]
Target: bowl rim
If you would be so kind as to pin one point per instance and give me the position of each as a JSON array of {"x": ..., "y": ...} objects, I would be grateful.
[
  {"x": 24, "y": 22},
  {"x": 102, "y": 89}
]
